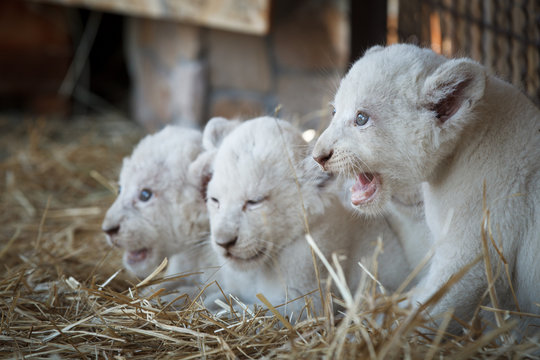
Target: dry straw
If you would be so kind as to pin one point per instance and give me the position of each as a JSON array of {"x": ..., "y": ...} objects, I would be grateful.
[{"x": 63, "y": 293}]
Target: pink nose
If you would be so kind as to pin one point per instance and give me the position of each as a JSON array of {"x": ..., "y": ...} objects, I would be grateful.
[
  {"x": 113, "y": 230},
  {"x": 226, "y": 244},
  {"x": 322, "y": 159},
  {"x": 111, "y": 234}
]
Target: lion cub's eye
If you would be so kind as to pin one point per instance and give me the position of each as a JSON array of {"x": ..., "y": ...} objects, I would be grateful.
[
  {"x": 253, "y": 204},
  {"x": 361, "y": 118},
  {"x": 333, "y": 111},
  {"x": 145, "y": 195},
  {"x": 215, "y": 201}
]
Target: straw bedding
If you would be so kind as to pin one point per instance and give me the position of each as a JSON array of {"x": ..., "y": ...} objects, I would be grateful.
[{"x": 63, "y": 293}]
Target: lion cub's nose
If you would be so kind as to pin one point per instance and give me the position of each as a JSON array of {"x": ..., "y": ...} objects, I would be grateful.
[
  {"x": 113, "y": 230},
  {"x": 322, "y": 159},
  {"x": 226, "y": 243}
]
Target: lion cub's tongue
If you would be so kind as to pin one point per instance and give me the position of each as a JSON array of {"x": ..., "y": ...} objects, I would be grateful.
[{"x": 363, "y": 189}]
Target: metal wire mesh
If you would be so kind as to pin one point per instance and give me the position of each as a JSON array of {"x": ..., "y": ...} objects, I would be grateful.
[{"x": 504, "y": 35}]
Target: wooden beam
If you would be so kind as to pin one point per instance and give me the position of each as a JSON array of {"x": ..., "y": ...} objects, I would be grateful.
[{"x": 246, "y": 16}]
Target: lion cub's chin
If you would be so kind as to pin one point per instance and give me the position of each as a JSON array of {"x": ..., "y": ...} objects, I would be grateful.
[
  {"x": 243, "y": 260},
  {"x": 244, "y": 264},
  {"x": 368, "y": 194}
]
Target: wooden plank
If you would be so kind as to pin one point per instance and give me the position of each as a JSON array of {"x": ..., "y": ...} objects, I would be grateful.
[{"x": 247, "y": 16}]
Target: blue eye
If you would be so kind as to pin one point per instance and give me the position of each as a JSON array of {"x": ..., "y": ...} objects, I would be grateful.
[
  {"x": 145, "y": 195},
  {"x": 119, "y": 190},
  {"x": 333, "y": 111},
  {"x": 361, "y": 118}
]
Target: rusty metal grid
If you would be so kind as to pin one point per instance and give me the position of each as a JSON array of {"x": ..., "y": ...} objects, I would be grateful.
[{"x": 503, "y": 35}]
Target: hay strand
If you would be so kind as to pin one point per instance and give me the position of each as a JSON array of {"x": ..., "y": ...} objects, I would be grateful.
[{"x": 62, "y": 294}]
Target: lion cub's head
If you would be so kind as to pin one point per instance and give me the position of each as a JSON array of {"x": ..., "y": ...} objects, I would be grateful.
[
  {"x": 397, "y": 114},
  {"x": 259, "y": 180},
  {"x": 159, "y": 210}
]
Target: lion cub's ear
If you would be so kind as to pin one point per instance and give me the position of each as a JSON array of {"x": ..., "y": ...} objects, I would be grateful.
[
  {"x": 311, "y": 173},
  {"x": 456, "y": 84},
  {"x": 315, "y": 185},
  {"x": 200, "y": 171},
  {"x": 216, "y": 130}
]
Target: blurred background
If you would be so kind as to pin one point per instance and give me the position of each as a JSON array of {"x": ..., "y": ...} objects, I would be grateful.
[{"x": 184, "y": 61}]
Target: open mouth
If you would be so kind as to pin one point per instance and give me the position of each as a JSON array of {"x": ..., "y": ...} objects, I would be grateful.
[
  {"x": 136, "y": 256},
  {"x": 365, "y": 188}
]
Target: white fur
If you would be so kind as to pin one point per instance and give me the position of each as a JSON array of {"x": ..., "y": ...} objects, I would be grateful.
[
  {"x": 260, "y": 181},
  {"x": 174, "y": 220},
  {"x": 450, "y": 125},
  {"x": 404, "y": 214}
]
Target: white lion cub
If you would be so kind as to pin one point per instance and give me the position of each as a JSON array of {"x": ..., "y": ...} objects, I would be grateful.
[
  {"x": 405, "y": 115},
  {"x": 260, "y": 181},
  {"x": 160, "y": 210}
]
